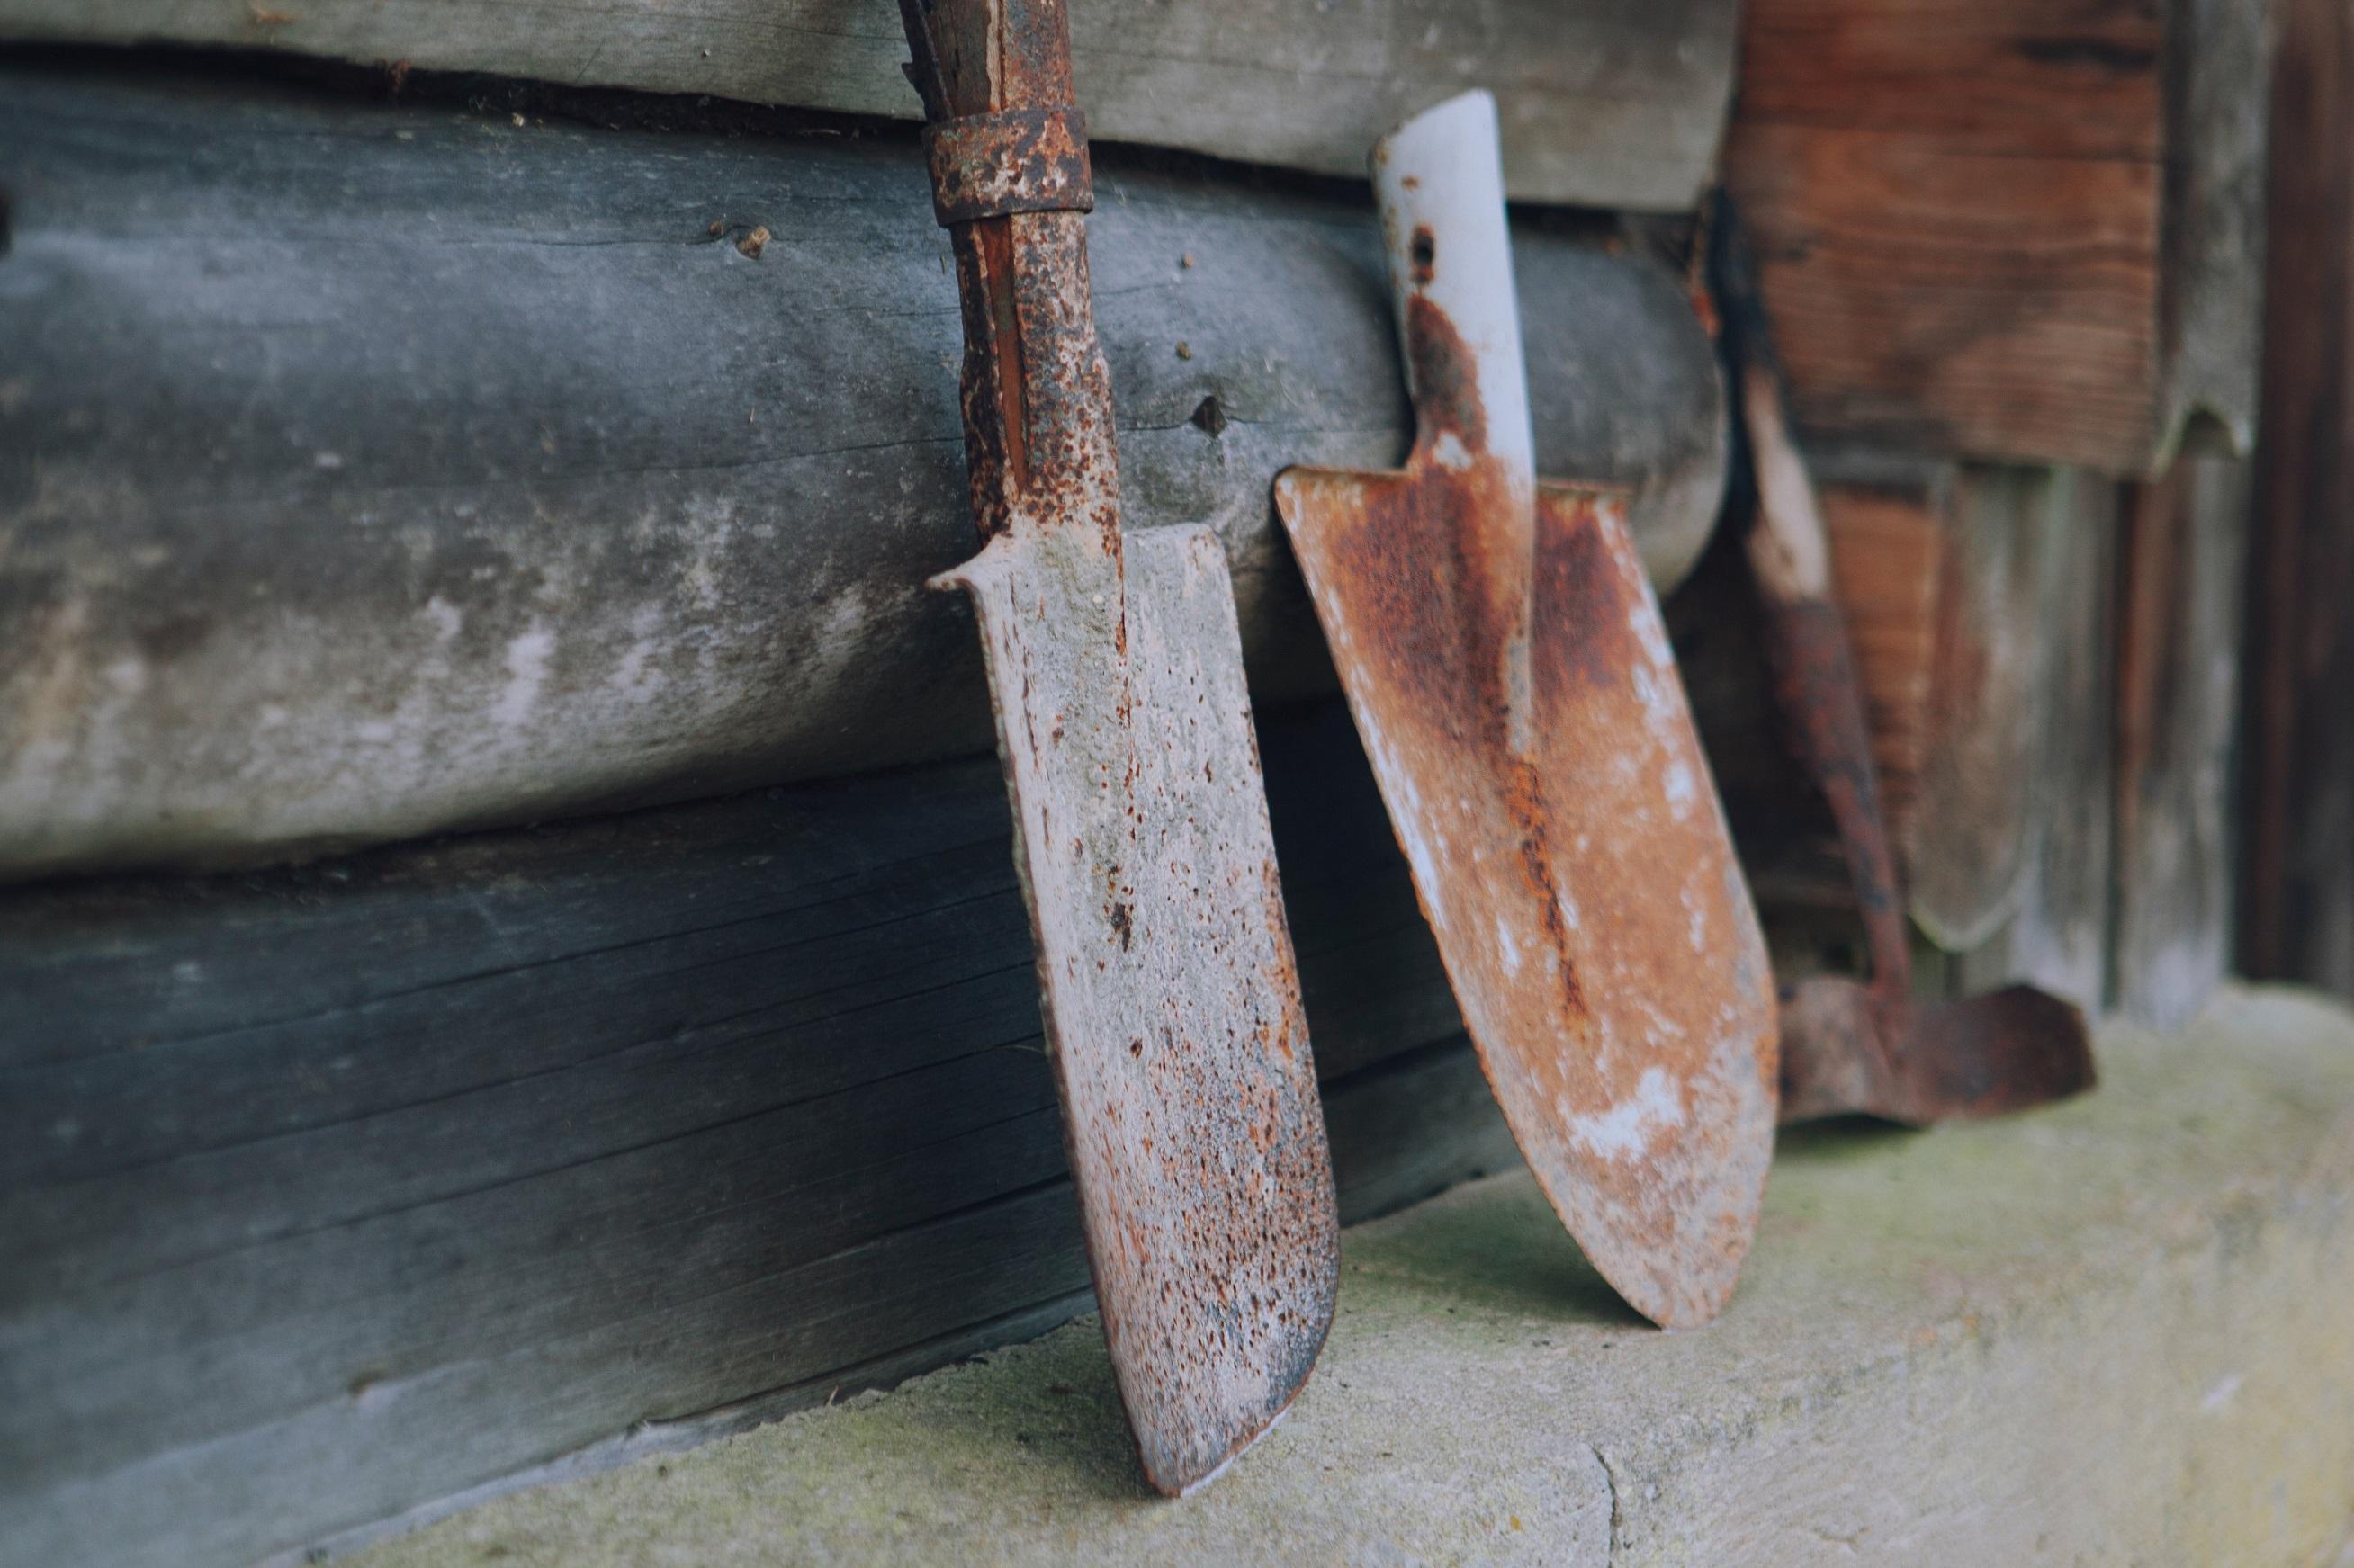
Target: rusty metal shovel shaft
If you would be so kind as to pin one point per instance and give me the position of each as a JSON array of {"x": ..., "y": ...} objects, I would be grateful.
[
  {"x": 1510, "y": 678},
  {"x": 1850, "y": 1048},
  {"x": 1171, "y": 1003}
]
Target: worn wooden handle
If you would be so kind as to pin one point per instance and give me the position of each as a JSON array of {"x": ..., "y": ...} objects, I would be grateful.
[
  {"x": 1439, "y": 181},
  {"x": 1815, "y": 680}
]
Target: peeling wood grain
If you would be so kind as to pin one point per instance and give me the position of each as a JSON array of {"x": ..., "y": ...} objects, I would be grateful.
[{"x": 1611, "y": 103}]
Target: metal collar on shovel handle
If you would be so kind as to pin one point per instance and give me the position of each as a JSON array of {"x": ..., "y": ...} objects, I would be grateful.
[
  {"x": 1171, "y": 1003},
  {"x": 1510, "y": 678},
  {"x": 1849, "y": 1048}
]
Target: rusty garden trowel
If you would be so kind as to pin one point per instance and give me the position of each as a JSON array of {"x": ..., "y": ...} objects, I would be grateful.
[
  {"x": 1849, "y": 1047},
  {"x": 1171, "y": 1008},
  {"x": 1510, "y": 678}
]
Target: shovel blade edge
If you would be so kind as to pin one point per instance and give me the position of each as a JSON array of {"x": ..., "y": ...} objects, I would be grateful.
[
  {"x": 1516, "y": 694},
  {"x": 1167, "y": 984}
]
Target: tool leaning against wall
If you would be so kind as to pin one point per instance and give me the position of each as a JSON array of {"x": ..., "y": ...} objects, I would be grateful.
[
  {"x": 1171, "y": 1002},
  {"x": 1511, "y": 677},
  {"x": 1851, "y": 1047}
]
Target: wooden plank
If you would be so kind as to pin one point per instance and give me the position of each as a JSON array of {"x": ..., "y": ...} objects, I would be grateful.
[
  {"x": 2219, "y": 84},
  {"x": 1979, "y": 601},
  {"x": 1889, "y": 560},
  {"x": 1969, "y": 303},
  {"x": 2059, "y": 936},
  {"x": 2176, "y": 708},
  {"x": 2299, "y": 815},
  {"x": 331, "y": 1192},
  {"x": 1991, "y": 230},
  {"x": 1941, "y": 570},
  {"x": 1610, "y": 103},
  {"x": 1968, "y": 854},
  {"x": 466, "y": 478}
]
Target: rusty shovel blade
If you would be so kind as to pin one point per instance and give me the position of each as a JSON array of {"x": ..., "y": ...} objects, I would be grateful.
[
  {"x": 1167, "y": 986},
  {"x": 1510, "y": 678},
  {"x": 1191, "y": 1115}
]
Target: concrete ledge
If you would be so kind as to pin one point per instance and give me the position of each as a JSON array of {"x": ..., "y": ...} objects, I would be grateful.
[{"x": 2120, "y": 1331}]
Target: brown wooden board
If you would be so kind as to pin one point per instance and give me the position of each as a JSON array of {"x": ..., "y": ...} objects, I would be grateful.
[
  {"x": 372, "y": 470},
  {"x": 2300, "y": 826},
  {"x": 1998, "y": 231},
  {"x": 331, "y": 1192},
  {"x": 1615, "y": 103}
]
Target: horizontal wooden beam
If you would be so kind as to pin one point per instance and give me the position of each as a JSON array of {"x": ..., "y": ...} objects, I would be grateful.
[
  {"x": 1611, "y": 103},
  {"x": 1989, "y": 230},
  {"x": 373, "y": 470},
  {"x": 330, "y": 1192}
]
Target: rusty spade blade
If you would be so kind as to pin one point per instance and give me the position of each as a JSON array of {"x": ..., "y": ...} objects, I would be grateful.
[
  {"x": 1511, "y": 679},
  {"x": 1171, "y": 1008},
  {"x": 1847, "y": 1047}
]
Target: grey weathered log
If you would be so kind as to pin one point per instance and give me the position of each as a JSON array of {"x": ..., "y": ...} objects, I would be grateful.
[
  {"x": 1610, "y": 103},
  {"x": 370, "y": 471},
  {"x": 332, "y": 1190}
]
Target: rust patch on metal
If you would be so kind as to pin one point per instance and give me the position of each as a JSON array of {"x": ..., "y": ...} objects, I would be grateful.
[
  {"x": 1513, "y": 683},
  {"x": 1167, "y": 984},
  {"x": 1850, "y": 1047},
  {"x": 1018, "y": 160},
  {"x": 1962, "y": 1061},
  {"x": 1446, "y": 376}
]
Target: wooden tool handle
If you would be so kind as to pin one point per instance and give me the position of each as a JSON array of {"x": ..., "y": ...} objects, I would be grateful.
[
  {"x": 1010, "y": 182},
  {"x": 1440, "y": 180},
  {"x": 1816, "y": 683}
]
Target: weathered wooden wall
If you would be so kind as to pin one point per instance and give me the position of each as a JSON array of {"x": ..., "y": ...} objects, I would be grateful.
[
  {"x": 377, "y": 471},
  {"x": 1610, "y": 103},
  {"x": 2003, "y": 231},
  {"x": 375, "y": 431},
  {"x": 328, "y": 1193}
]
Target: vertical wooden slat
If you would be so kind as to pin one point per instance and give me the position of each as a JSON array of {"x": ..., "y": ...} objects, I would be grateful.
[
  {"x": 2058, "y": 936},
  {"x": 1969, "y": 859},
  {"x": 2299, "y": 838},
  {"x": 2176, "y": 711}
]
